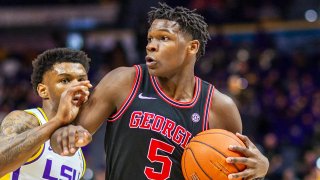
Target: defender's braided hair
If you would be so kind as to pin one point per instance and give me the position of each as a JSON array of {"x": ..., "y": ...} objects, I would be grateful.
[{"x": 188, "y": 20}]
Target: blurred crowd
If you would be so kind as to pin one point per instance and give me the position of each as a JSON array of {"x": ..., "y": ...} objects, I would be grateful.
[
  {"x": 278, "y": 95},
  {"x": 276, "y": 90},
  {"x": 217, "y": 11}
]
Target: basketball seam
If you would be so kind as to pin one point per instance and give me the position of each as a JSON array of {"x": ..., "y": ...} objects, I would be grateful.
[
  {"x": 184, "y": 157},
  {"x": 221, "y": 166},
  {"x": 222, "y": 134},
  {"x": 194, "y": 157},
  {"x": 215, "y": 150}
]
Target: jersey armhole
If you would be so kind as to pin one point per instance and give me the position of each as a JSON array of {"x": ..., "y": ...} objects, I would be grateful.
[
  {"x": 130, "y": 97},
  {"x": 36, "y": 155},
  {"x": 6, "y": 177},
  {"x": 84, "y": 163},
  {"x": 207, "y": 108}
]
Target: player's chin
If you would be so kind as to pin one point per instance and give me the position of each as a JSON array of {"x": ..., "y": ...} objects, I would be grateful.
[
  {"x": 159, "y": 71},
  {"x": 153, "y": 72}
]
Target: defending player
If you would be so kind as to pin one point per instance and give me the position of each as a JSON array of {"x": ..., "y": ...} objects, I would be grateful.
[
  {"x": 153, "y": 110},
  {"x": 25, "y": 151}
]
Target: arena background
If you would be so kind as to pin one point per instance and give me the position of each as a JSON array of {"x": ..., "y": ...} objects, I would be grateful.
[{"x": 263, "y": 53}]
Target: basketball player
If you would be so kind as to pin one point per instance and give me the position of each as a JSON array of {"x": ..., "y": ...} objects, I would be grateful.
[
  {"x": 25, "y": 151},
  {"x": 153, "y": 110}
]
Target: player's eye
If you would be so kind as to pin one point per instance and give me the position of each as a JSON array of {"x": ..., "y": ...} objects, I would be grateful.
[
  {"x": 81, "y": 79},
  {"x": 164, "y": 38},
  {"x": 149, "y": 39},
  {"x": 64, "y": 81}
]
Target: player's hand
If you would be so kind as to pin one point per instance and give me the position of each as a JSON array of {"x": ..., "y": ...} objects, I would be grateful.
[
  {"x": 71, "y": 100},
  {"x": 67, "y": 140},
  {"x": 257, "y": 164}
]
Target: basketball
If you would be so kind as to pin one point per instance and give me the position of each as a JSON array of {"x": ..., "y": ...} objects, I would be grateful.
[{"x": 205, "y": 155}]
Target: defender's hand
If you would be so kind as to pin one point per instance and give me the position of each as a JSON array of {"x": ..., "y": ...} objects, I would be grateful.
[
  {"x": 67, "y": 140},
  {"x": 71, "y": 100},
  {"x": 257, "y": 164}
]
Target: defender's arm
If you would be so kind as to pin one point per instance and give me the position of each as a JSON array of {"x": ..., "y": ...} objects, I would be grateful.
[{"x": 20, "y": 138}]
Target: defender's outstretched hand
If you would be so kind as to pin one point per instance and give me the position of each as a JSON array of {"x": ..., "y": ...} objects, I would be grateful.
[
  {"x": 257, "y": 164},
  {"x": 67, "y": 140},
  {"x": 71, "y": 100}
]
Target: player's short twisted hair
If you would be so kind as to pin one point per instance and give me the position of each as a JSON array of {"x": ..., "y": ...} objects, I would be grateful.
[
  {"x": 45, "y": 61},
  {"x": 188, "y": 20}
]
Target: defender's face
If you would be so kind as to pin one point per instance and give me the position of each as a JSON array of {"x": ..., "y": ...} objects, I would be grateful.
[
  {"x": 166, "y": 48},
  {"x": 62, "y": 76}
]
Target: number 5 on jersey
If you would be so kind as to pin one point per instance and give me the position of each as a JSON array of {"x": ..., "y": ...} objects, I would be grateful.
[{"x": 153, "y": 156}]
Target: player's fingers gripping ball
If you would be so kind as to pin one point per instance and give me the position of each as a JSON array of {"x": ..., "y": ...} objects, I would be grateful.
[{"x": 205, "y": 156}]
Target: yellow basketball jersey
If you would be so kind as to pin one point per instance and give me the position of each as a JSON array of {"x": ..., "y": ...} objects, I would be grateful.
[{"x": 46, "y": 164}]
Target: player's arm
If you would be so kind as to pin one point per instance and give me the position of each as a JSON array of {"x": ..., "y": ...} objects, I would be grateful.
[
  {"x": 20, "y": 133},
  {"x": 224, "y": 114},
  {"x": 106, "y": 98},
  {"x": 20, "y": 138}
]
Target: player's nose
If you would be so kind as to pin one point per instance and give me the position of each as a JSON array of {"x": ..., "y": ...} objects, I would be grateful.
[{"x": 152, "y": 46}]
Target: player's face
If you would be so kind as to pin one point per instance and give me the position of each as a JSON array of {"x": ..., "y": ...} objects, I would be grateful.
[
  {"x": 62, "y": 76},
  {"x": 166, "y": 48}
]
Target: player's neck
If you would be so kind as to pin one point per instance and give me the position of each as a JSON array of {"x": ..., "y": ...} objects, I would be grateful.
[
  {"x": 179, "y": 88},
  {"x": 49, "y": 110}
]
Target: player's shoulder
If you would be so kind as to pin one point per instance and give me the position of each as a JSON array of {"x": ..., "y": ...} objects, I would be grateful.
[
  {"x": 123, "y": 69},
  {"x": 117, "y": 82},
  {"x": 222, "y": 102},
  {"x": 219, "y": 98},
  {"x": 21, "y": 116},
  {"x": 18, "y": 118},
  {"x": 225, "y": 113}
]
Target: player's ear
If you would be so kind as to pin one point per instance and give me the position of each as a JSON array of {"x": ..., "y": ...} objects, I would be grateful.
[
  {"x": 43, "y": 91},
  {"x": 193, "y": 47}
]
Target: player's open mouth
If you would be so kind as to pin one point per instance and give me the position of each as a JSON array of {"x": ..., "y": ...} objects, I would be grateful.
[
  {"x": 150, "y": 61},
  {"x": 76, "y": 99}
]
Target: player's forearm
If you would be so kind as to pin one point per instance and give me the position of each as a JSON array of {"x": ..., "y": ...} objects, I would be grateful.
[
  {"x": 16, "y": 150},
  {"x": 88, "y": 122}
]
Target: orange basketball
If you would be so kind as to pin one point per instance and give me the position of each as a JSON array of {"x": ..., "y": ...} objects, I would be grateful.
[{"x": 205, "y": 155}]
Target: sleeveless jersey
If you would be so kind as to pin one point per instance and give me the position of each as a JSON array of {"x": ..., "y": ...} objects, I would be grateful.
[
  {"x": 146, "y": 137},
  {"x": 46, "y": 164}
]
